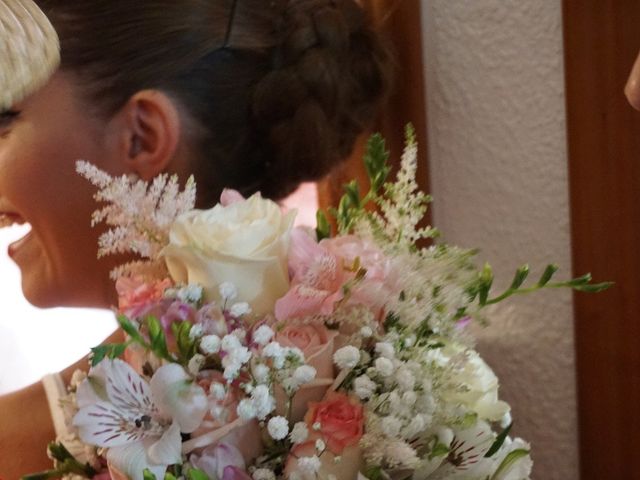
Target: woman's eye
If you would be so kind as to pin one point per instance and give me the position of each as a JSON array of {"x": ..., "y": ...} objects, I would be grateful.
[{"x": 6, "y": 119}]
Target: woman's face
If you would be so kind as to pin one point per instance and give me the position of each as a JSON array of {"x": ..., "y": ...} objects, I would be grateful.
[
  {"x": 38, "y": 185},
  {"x": 632, "y": 89}
]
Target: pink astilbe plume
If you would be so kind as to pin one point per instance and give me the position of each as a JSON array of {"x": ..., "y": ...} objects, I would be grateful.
[{"x": 140, "y": 214}]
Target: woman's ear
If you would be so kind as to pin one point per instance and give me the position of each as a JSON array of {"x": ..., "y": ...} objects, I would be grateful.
[{"x": 151, "y": 133}]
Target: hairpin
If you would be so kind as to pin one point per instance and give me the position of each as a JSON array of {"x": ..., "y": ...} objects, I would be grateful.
[{"x": 232, "y": 15}]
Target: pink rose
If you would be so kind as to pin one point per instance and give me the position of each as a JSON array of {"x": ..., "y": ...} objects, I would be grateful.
[
  {"x": 215, "y": 460},
  {"x": 320, "y": 272},
  {"x": 380, "y": 281},
  {"x": 317, "y": 343},
  {"x": 318, "y": 278}
]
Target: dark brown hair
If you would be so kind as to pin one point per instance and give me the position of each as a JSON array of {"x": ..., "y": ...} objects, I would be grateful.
[{"x": 280, "y": 89}]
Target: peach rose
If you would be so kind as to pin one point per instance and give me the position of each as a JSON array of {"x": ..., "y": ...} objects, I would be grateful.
[
  {"x": 135, "y": 294},
  {"x": 340, "y": 418},
  {"x": 341, "y": 422},
  {"x": 317, "y": 343}
]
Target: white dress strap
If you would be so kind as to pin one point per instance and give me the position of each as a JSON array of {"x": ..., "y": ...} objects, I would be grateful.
[{"x": 55, "y": 391}]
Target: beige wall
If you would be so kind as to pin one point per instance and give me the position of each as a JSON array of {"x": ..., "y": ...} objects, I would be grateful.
[{"x": 498, "y": 158}]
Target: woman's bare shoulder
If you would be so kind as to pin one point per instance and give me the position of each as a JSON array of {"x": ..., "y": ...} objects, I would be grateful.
[
  {"x": 25, "y": 429},
  {"x": 26, "y": 426}
]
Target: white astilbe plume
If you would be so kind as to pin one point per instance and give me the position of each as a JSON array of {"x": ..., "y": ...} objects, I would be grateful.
[
  {"x": 402, "y": 207},
  {"x": 404, "y": 204},
  {"x": 140, "y": 214}
]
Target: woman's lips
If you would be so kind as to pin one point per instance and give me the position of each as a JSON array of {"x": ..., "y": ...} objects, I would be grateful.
[
  {"x": 8, "y": 219},
  {"x": 16, "y": 246}
]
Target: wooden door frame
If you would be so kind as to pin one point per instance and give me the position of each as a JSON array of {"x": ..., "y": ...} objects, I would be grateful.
[{"x": 602, "y": 38}]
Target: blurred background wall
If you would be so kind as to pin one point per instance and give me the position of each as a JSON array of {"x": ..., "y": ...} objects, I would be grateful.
[{"x": 498, "y": 164}]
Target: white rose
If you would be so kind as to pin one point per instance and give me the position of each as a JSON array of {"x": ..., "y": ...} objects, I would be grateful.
[{"x": 244, "y": 243}]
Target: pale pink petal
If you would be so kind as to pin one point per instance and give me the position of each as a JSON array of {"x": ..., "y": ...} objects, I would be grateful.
[
  {"x": 131, "y": 461},
  {"x": 303, "y": 300},
  {"x": 127, "y": 390},
  {"x": 103, "y": 425},
  {"x": 169, "y": 448},
  {"x": 234, "y": 473},
  {"x": 212, "y": 436},
  {"x": 230, "y": 196},
  {"x": 214, "y": 460},
  {"x": 178, "y": 396},
  {"x": 303, "y": 250}
]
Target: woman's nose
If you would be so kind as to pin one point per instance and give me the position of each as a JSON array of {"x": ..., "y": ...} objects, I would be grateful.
[{"x": 632, "y": 89}]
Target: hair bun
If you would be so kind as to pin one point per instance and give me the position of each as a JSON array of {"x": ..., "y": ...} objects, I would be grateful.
[{"x": 330, "y": 73}]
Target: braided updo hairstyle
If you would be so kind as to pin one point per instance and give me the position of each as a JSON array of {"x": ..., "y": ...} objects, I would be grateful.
[{"x": 279, "y": 89}]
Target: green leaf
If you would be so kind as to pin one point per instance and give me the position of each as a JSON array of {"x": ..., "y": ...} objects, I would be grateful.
[
  {"x": 148, "y": 475},
  {"x": 521, "y": 275},
  {"x": 486, "y": 280},
  {"x": 594, "y": 288},
  {"x": 547, "y": 274},
  {"x": 195, "y": 474},
  {"x": 323, "y": 228},
  {"x": 580, "y": 281},
  {"x": 186, "y": 345},
  {"x": 499, "y": 441},
  {"x": 170, "y": 476},
  {"x": 509, "y": 461},
  {"x": 59, "y": 452},
  {"x": 439, "y": 450},
  {"x": 66, "y": 464},
  {"x": 374, "y": 473},
  {"x": 352, "y": 189},
  {"x": 110, "y": 351},
  {"x": 98, "y": 354},
  {"x": 376, "y": 155},
  {"x": 49, "y": 474},
  {"x": 157, "y": 338},
  {"x": 131, "y": 329}
]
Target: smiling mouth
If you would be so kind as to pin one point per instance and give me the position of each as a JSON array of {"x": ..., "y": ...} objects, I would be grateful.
[{"x": 10, "y": 219}]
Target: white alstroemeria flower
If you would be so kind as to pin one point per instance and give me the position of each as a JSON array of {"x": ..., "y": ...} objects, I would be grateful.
[
  {"x": 513, "y": 462},
  {"x": 139, "y": 422}
]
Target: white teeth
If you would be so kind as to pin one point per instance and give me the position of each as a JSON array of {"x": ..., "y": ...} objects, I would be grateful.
[{"x": 7, "y": 220}]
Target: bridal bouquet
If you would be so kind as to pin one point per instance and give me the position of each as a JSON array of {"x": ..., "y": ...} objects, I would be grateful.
[{"x": 259, "y": 351}]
